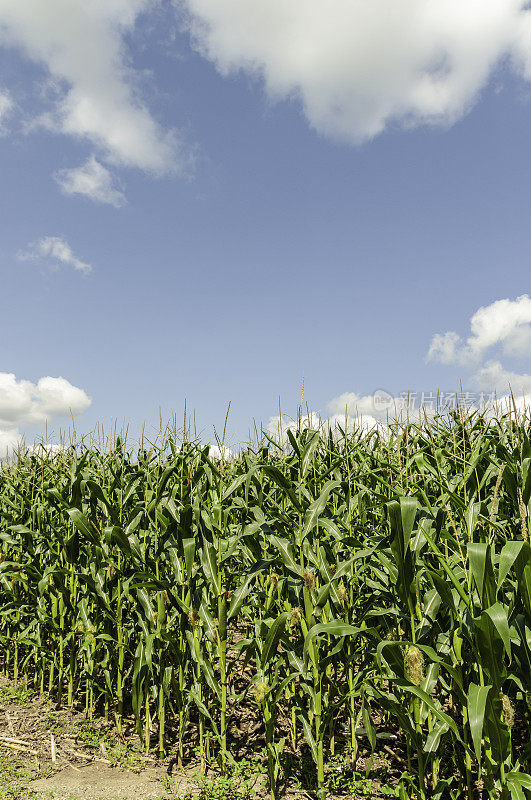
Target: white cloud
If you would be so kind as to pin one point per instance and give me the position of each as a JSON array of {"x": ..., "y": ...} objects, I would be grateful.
[
  {"x": 25, "y": 403},
  {"x": 359, "y": 65},
  {"x": 6, "y": 107},
  {"x": 280, "y": 425},
  {"x": 492, "y": 376},
  {"x": 54, "y": 251},
  {"x": 57, "y": 397},
  {"x": 353, "y": 420},
  {"x": 505, "y": 323},
  {"x": 445, "y": 348},
  {"x": 350, "y": 403},
  {"x": 10, "y": 441},
  {"x": 82, "y": 45},
  {"x": 91, "y": 179},
  {"x": 217, "y": 453}
]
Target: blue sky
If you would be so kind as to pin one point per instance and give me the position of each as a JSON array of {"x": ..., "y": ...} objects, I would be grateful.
[{"x": 236, "y": 227}]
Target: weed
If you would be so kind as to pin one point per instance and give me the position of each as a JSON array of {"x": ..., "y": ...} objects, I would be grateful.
[
  {"x": 13, "y": 776},
  {"x": 14, "y": 694}
]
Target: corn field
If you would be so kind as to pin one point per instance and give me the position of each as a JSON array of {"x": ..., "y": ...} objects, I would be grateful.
[{"x": 340, "y": 587}]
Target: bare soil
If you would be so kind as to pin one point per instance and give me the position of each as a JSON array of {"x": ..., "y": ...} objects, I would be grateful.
[
  {"x": 100, "y": 782},
  {"x": 48, "y": 753}
]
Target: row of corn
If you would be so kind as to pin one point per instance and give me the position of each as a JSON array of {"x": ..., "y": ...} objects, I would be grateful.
[{"x": 342, "y": 589}]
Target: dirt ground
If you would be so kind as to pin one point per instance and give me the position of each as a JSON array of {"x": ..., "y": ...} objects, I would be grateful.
[
  {"x": 103, "y": 782},
  {"x": 59, "y": 755},
  {"x": 56, "y": 754}
]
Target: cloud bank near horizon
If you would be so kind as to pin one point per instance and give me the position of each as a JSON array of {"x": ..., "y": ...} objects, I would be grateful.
[
  {"x": 504, "y": 325},
  {"x": 24, "y": 403},
  {"x": 499, "y": 330}
]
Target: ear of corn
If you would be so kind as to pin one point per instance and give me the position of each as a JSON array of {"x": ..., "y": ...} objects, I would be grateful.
[{"x": 347, "y": 580}]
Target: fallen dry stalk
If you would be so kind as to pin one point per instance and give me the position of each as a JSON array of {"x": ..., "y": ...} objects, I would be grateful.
[
  {"x": 15, "y": 741},
  {"x": 19, "y": 749}
]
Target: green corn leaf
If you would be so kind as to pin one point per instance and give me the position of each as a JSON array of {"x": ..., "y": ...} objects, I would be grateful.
[
  {"x": 244, "y": 588},
  {"x": 526, "y": 477},
  {"x": 83, "y": 525},
  {"x": 472, "y": 516},
  {"x": 448, "y": 570},
  {"x": 418, "y": 692},
  {"x": 332, "y": 628},
  {"x": 508, "y": 556},
  {"x": 515, "y": 788},
  {"x": 272, "y": 639},
  {"x": 209, "y": 563},
  {"x": 481, "y": 568},
  {"x": 234, "y": 485},
  {"x": 520, "y": 778},
  {"x": 332, "y": 528},
  {"x": 477, "y": 700},
  {"x": 491, "y": 649},
  {"x": 368, "y": 724},
  {"x": 286, "y": 554},
  {"x": 293, "y": 442},
  {"x": 207, "y": 618},
  {"x": 434, "y": 737},
  {"x": 132, "y": 526},
  {"x": 115, "y": 535},
  {"x": 308, "y": 735},
  {"x": 145, "y": 602},
  {"x": 280, "y": 479},
  {"x": 402, "y": 515},
  {"x": 316, "y": 509},
  {"x": 497, "y": 732},
  {"x": 308, "y": 451},
  {"x": 524, "y": 584},
  {"x": 498, "y": 615},
  {"x": 189, "y": 555}
]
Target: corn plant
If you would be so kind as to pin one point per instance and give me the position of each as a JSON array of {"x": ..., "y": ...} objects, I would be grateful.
[{"x": 339, "y": 589}]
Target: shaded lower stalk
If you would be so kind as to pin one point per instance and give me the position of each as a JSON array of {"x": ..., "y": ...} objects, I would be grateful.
[{"x": 222, "y": 649}]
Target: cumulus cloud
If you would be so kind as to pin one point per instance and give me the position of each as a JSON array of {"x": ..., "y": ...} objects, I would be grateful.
[
  {"x": 505, "y": 323},
  {"x": 351, "y": 412},
  {"x": 55, "y": 252},
  {"x": 350, "y": 420},
  {"x": 446, "y": 348},
  {"x": 6, "y": 107},
  {"x": 502, "y": 328},
  {"x": 10, "y": 441},
  {"x": 350, "y": 403},
  {"x": 91, "y": 179},
  {"x": 25, "y": 403},
  {"x": 82, "y": 46},
  {"x": 493, "y": 376},
  {"x": 357, "y": 66},
  {"x": 217, "y": 453},
  {"x": 279, "y": 425}
]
